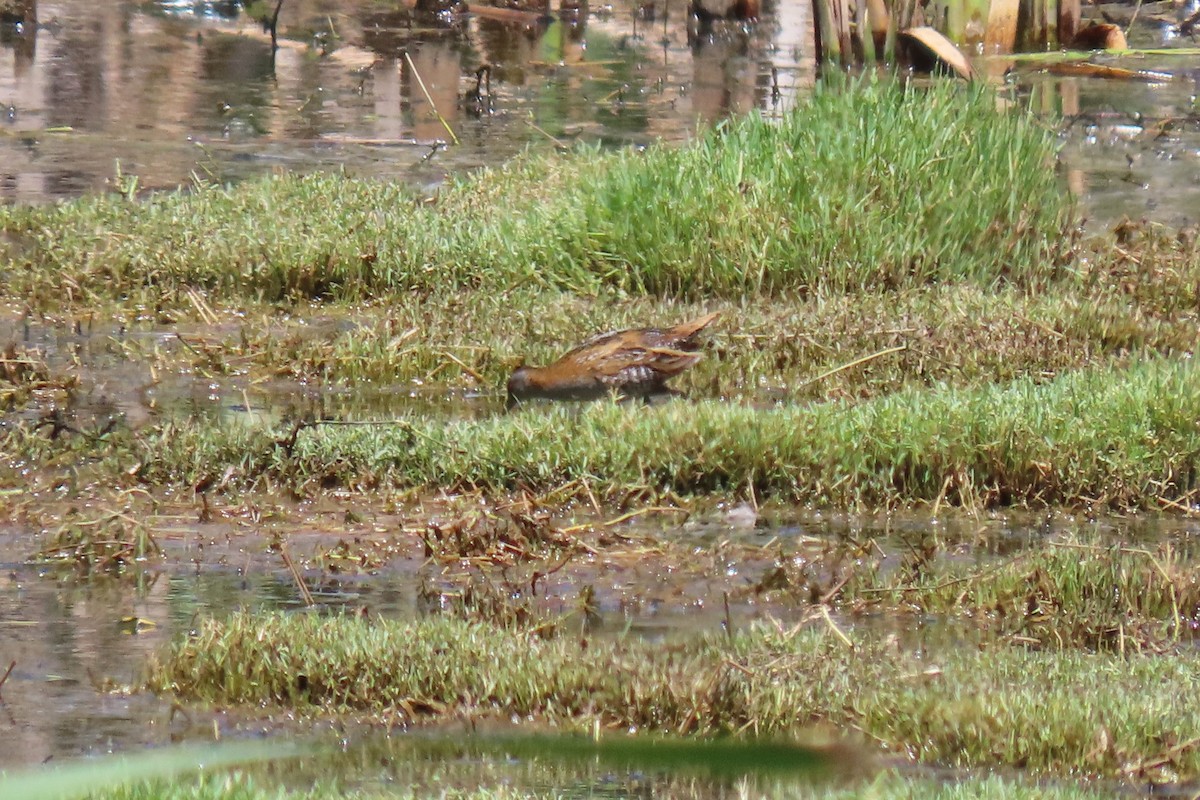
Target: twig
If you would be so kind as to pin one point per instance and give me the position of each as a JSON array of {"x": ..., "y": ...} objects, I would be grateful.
[
  {"x": 853, "y": 363},
  {"x": 937, "y": 504},
  {"x": 728, "y": 617},
  {"x": 1191, "y": 512},
  {"x": 202, "y": 307},
  {"x": 1044, "y": 328},
  {"x": 186, "y": 344},
  {"x": 834, "y": 627},
  {"x": 478, "y": 378},
  {"x": 626, "y": 517},
  {"x": 12, "y": 665},
  {"x": 304, "y": 592},
  {"x": 559, "y": 143},
  {"x": 1169, "y": 756},
  {"x": 538, "y": 575},
  {"x": 429, "y": 98},
  {"x": 587, "y": 488},
  {"x": 275, "y": 27},
  {"x": 1132, "y": 19},
  {"x": 837, "y": 587}
]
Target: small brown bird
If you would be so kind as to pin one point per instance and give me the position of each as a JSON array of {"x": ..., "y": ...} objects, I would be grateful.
[{"x": 635, "y": 363}]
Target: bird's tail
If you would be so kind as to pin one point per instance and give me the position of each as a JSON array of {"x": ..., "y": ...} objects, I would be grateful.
[{"x": 686, "y": 330}]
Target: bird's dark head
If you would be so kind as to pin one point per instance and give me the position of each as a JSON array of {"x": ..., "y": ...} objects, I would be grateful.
[{"x": 520, "y": 386}]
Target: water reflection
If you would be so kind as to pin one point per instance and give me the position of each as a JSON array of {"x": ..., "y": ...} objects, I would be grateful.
[
  {"x": 171, "y": 91},
  {"x": 175, "y": 89},
  {"x": 71, "y": 647}
]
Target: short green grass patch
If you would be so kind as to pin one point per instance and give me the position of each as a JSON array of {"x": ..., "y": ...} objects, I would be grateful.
[
  {"x": 1109, "y": 438},
  {"x": 867, "y": 185},
  {"x": 1048, "y": 711}
]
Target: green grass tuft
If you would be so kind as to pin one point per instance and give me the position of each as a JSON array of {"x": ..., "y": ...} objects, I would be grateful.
[
  {"x": 1065, "y": 711},
  {"x": 863, "y": 186},
  {"x": 1114, "y": 438}
]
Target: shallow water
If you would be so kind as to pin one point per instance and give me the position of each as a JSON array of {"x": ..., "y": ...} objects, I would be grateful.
[
  {"x": 95, "y": 94},
  {"x": 137, "y": 96},
  {"x": 75, "y": 646},
  {"x": 172, "y": 89}
]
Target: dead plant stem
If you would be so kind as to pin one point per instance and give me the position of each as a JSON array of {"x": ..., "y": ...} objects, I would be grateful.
[{"x": 429, "y": 99}]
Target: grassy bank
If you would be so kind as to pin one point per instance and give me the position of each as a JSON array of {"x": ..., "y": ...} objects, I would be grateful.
[
  {"x": 1019, "y": 369},
  {"x": 1005, "y": 369},
  {"x": 762, "y": 348},
  {"x": 824, "y": 200},
  {"x": 1106, "y": 438},
  {"x": 961, "y": 707}
]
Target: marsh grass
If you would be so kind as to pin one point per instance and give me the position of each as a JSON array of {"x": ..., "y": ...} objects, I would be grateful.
[
  {"x": 762, "y": 349},
  {"x": 825, "y": 198},
  {"x": 1106, "y": 438},
  {"x": 1065, "y": 711},
  {"x": 1126, "y": 304},
  {"x": 98, "y": 540},
  {"x": 1058, "y": 594}
]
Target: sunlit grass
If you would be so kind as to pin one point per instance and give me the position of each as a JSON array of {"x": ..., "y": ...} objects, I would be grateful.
[
  {"x": 1107, "y": 438},
  {"x": 962, "y": 706},
  {"x": 863, "y": 186}
]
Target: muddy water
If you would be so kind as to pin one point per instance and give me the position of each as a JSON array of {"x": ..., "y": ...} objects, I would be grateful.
[
  {"x": 169, "y": 90},
  {"x": 92, "y": 94},
  {"x": 163, "y": 91},
  {"x": 76, "y": 645},
  {"x": 118, "y": 375}
]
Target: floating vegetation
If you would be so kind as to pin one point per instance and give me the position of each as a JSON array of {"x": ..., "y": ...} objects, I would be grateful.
[
  {"x": 500, "y": 537},
  {"x": 24, "y": 374},
  {"x": 100, "y": 540}
]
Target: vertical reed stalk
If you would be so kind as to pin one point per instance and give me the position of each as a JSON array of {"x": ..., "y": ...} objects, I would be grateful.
[
  {"x": 825, "y": 35},
  {"x": 1068, "y": 20},
  {"x": 862, "y": 28}
]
